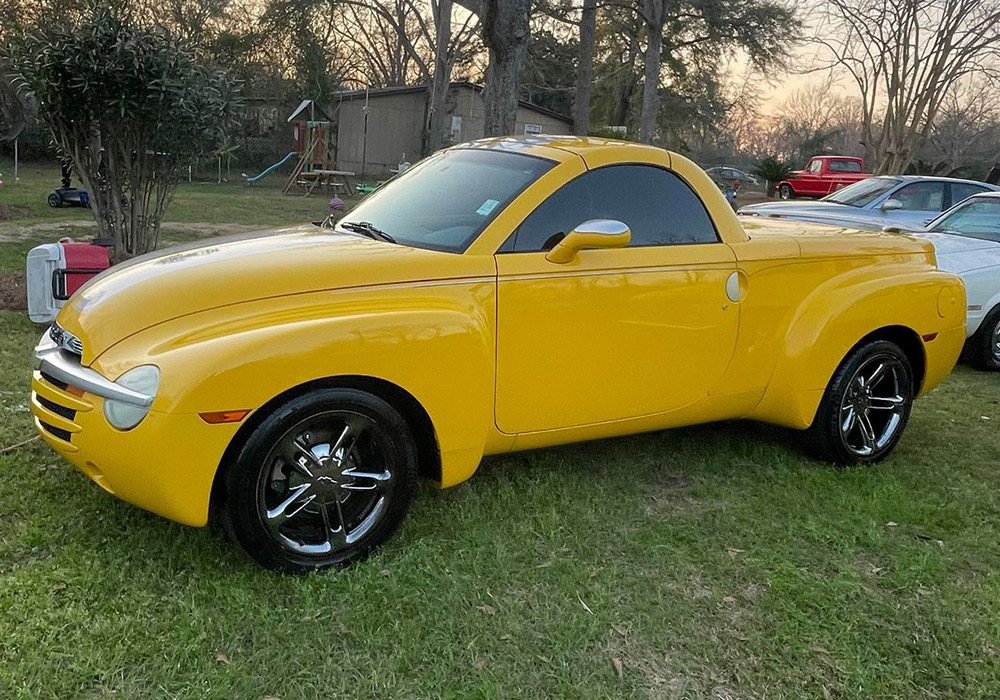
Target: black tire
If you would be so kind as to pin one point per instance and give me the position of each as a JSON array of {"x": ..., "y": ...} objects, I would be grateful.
[
  {"x": 878, "y": 420},
  {"x": 265, "y": 492},
  {"x": 55, "y": 200},
  {"x": 983, "y": 348},
  {"x": 786, "y": 192}
]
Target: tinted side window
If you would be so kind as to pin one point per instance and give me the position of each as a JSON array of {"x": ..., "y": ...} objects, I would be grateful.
[
  {"x": 921, "y": 196},
  {"x": 962, "y": 190},
  {"x": 659, "y": 208}
]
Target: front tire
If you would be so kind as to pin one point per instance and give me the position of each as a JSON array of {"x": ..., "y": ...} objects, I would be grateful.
[
  {"x": 786, "y": 192},
  {"x": 322, "y": 482},
  {"x": 865, "y": 407},
  {"x": 984, "y": 345}
]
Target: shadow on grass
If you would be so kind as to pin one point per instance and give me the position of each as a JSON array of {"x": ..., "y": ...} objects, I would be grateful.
[{"x": 665, "y": 463}]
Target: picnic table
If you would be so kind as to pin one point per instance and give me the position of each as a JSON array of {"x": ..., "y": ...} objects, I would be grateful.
[{"x": 328, "y": 179}]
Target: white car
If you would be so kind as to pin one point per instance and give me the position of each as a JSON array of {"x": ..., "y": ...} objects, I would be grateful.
[{"x": 966, "y": 239}]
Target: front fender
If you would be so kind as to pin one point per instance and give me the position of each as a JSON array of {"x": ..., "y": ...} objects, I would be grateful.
[
  {"x": 433, "y": 341},
  {"x": 846, "y": 309}
]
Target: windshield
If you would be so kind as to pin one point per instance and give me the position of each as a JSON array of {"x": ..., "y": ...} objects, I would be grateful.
[
  {"x": 978, "y": 218},
  {"x": 446, "y": 201},
  {"x": 862, "y": 193}
]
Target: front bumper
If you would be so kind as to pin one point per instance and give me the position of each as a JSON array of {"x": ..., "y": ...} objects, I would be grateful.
[{"x": 166, "y": 464}]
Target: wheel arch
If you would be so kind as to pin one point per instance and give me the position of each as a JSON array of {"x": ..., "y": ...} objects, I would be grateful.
[
  {"x": 909, "y": 342},
  {"x": 413, "y": 412},
  {"x": 787, "y": 402}
]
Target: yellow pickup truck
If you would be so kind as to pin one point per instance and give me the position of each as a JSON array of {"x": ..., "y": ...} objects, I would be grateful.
[{"x": 502, "y": 295}]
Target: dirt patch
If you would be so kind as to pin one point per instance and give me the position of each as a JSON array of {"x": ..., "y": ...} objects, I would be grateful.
[
  {"x": 57, "y": 229},
  {"x": 85, "y": 230},
  {"x": 13, "y": 291},
  {"x": 9, "y": 212}
]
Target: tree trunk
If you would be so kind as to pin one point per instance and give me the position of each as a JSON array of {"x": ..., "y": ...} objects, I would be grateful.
[
  {"x": 505, "y": 32},
  {"x": 650, "y": 110},
  {"x": 585, "y": 68},
  {"x": 627, "y": 85},
  {"x": 437, "y": 108}
]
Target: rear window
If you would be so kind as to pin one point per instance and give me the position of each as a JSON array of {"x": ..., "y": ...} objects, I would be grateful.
[{"x": 845, "y": 166}]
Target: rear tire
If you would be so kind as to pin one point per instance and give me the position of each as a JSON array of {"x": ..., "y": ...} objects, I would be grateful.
[
  {"x": 322, "y": 482},
  {"x": 786, "y": 192},
  {"x": 865, "y": 407},
  {"x": 984, "y": 346}
]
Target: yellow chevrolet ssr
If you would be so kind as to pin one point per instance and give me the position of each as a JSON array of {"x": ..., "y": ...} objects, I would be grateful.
[{"x": 502, "y": 295}]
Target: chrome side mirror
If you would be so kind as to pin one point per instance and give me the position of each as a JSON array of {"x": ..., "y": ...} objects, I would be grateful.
[
  {"x": 596, "y": 233},
  {"x": 891, "y": 204}
]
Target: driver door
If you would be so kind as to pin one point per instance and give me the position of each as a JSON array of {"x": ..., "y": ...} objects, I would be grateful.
[{"x": 616, "y": 333}]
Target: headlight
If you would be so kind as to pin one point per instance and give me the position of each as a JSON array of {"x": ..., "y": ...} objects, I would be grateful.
[{"x": 125, "y": 416}]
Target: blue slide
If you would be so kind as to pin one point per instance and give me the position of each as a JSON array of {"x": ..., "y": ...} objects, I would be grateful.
[{"x": 268, "y": 171}]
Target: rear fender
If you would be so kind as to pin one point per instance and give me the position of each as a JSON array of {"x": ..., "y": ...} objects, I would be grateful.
[{"x": 838, "y": 315}]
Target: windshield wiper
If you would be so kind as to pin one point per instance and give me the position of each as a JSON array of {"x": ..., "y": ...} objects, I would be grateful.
[{"x": 368, "y": 229}]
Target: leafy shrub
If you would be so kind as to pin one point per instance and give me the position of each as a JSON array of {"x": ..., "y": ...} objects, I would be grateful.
[
  {"x": 772, "y": 170},
  {"x": 130, "y": 106}
]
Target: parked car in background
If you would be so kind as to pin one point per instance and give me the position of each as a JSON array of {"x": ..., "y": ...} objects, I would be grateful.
[
  {"x": 507, "y": 294},
  {"x": 907, "y": 200},
  {"x": 821, "y": 176},
  {"x": 966, "y": 239},
  {"x": 729, "y": 175}
]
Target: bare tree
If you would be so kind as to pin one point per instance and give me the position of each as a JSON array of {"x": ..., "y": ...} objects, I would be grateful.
[
  {"x": 442, "y": 75},
  {"x": 817, "y": 119},
  {"x": 686, "y": 31},
  {"x": 585, "y": 68},
  {"x": 505, "y": 26},
  {"x": 905, "y": 56},
  {"x": 965, "y": 138},
  {"x": 453, "y": 43},
  {"x": 653, "y": 12}
]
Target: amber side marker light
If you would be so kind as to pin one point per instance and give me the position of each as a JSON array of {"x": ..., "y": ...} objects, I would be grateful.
[
  {"x": 75, "y": 390},
  {"x": 929, "y": 337},
  {"x": 216, "y": 417}
]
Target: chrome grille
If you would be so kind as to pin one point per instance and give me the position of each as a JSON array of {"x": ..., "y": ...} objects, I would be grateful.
[{"x": 65, "y": 339}]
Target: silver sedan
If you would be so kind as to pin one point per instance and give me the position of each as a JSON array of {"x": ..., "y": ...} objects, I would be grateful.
[{"x": 902, "y": 200}]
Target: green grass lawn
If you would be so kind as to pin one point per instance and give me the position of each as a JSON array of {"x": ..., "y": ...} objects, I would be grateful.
[
  {"x": 194, "y": 210},
  {"x": 712, "y": 562}
]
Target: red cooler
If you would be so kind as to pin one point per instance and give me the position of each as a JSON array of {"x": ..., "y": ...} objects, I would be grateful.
[{"x": 56, "y": 270}]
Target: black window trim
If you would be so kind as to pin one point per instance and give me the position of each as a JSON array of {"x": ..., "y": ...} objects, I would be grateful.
[{"x": 708, "y": 214}]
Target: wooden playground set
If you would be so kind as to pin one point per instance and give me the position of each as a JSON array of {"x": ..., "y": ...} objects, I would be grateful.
[{"x": 311, "y": 132}]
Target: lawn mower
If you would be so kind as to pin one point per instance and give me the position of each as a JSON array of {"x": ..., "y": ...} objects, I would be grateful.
[{"x": 66, "y": 194}]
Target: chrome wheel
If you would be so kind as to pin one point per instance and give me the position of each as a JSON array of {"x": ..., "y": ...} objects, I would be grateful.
[
  {"x": 995, "y": 347},
  {"x": 874, "y": 406},
  {"x": 326, "y": 483}
]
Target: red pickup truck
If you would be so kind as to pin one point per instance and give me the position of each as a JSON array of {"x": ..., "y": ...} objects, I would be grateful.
[{"x": 823, "y": 175}]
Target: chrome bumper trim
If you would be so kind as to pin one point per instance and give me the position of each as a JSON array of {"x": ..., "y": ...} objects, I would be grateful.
[{"x": 66, "y": 367}]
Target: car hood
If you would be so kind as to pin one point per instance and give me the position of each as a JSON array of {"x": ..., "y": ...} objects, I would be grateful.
[
  {"x": 800, "y": 209},
  {"x": 822, "y": 213},
  {"x": 961, "y": 254},
  {"x": 161, "y": 286}
]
